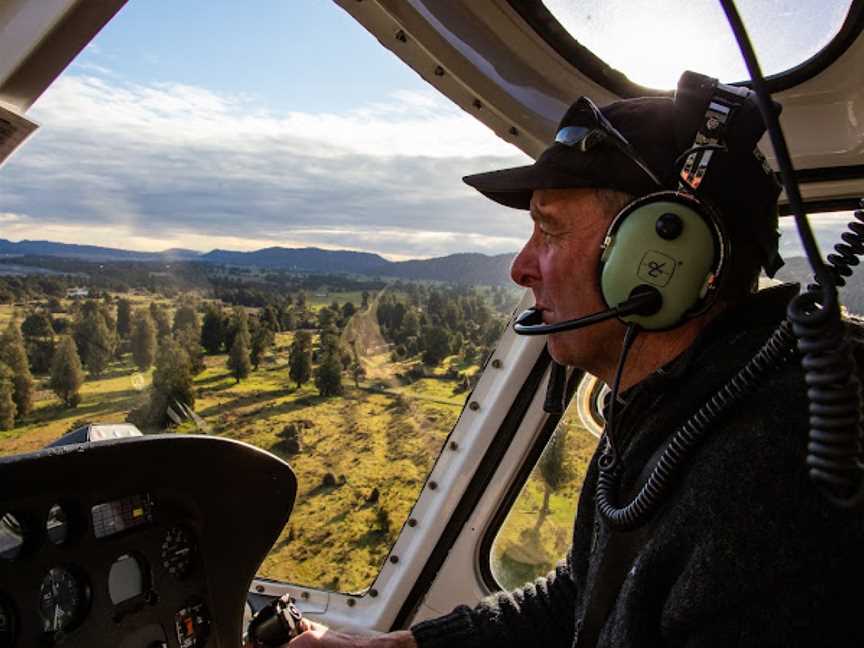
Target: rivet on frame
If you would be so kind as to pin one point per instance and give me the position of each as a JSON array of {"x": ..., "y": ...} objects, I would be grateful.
[
  {"x": 474, "y": 406},
  {"x": 496, "y": 363},
  {"x": 394, "y": 559},
  {"x": 439, "y": 71},
  {"x": 514, "y": 131},
  {"x": 401, "y": 36},
  {"x": 351, "y": 602},
  {"x": 454, "y": 445}
]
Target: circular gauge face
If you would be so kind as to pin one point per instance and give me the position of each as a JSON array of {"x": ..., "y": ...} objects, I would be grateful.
[
  {"x": 7, "y": 625},
  {"x": 63, "y": 600},
  {"x": 177, "y": 552}
]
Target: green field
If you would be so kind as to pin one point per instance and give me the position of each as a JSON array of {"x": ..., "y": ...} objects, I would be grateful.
[{"x": 364, "y": 455}]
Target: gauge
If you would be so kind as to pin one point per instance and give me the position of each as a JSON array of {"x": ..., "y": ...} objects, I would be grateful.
[
  {"x": 177, "y": 552},
  {"x": 11, "y": 537},
  {"x": 192, "y": 624},
  {"x": 57, "y": 526},
  {"x": 7, "y": 625},
  {"x": 63, "y": 600}
]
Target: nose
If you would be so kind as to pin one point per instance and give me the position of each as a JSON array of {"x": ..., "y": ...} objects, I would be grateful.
[{"x": 525, "y": 270}]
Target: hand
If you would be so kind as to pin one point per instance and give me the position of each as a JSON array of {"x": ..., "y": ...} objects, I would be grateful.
[{"x": 317, "y": 635}]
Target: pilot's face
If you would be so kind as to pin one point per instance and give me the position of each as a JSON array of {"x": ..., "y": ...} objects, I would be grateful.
[{"x": 559, "y": 263}]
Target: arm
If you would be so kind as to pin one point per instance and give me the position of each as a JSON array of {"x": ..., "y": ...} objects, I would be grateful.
[{"x": 540, "y": 613}]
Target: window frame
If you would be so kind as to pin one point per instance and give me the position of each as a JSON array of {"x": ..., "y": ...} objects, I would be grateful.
[
  {"x": 543, "y": 22},
  {"x": 484, "y": 554}
]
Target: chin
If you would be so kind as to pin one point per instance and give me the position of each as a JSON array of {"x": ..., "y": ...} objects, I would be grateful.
[{"x": 559, "y": 351}]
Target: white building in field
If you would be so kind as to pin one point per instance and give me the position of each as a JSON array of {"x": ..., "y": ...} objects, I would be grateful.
[{"x": 77, "y": 293}]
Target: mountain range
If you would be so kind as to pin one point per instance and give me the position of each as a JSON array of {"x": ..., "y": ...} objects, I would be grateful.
[
  {"x": 466, "y": 268},
  {"x": 471, "y": 268}
]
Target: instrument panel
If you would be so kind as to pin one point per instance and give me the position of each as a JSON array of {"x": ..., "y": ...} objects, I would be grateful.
[{"x": 103, "y": 547}]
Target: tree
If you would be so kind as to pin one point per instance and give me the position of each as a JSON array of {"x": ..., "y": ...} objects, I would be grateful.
[
  {"x": 300, "y": 360},
  {"x": 143, "y": 340},
  {"x": 326, "y": 317},
  {"x": 554, "y": 469},
  {"x": 66, "y": 373},
  {"x": 14, "y": 356},
  {"x": 100, "y": 346},
  {"x": 358, "y": 372},
  {"x": 162, "y": 320},
  {"x": 263, "y": 339},
  {"x": 8, "y": 409},
  {"x": 172, "y": 383},
  {"x": 185, "y": 317},
  {"x": 190, "y": 339},
  {"x": 238, "y": 357},
  {"x": 95, "y": 336},
  {"x": 213, "y": 330},
  {"x": 124, "y": 318},
  {"x": 39, "y": 341},
  {"x": 436, "y": 345},
  {"x": 328, "y": 376},
  {"x": 348, "y": 310}
]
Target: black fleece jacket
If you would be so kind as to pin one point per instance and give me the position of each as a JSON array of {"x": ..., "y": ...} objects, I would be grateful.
[{"x": 744, "y": 552}]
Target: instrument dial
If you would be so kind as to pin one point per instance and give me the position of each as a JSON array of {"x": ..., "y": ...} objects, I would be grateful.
[
  {"x": 63, "y": 600},
  {"x": 177, "y": 552}
]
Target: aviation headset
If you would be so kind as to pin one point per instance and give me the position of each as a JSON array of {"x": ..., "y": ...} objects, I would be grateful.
[{"x": 675, "y": 241}]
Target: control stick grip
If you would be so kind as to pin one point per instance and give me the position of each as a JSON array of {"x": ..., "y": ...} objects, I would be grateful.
[{"x": 274, "y": 625}]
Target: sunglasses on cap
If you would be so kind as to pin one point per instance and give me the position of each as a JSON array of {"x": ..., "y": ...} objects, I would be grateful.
[{"x": 597, "y": 130}]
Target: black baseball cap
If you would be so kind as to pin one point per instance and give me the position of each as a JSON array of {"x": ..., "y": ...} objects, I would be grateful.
[{"x": 659, "y": 129}]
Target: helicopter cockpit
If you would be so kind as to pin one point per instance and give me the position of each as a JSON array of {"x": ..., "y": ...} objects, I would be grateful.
[{"x": 300, "y": 350}]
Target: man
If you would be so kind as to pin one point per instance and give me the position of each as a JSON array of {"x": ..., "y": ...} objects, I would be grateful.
[{"x": 744, "y": 550}]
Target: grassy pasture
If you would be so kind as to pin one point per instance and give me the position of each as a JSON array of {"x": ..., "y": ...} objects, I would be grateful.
[{"x": 364, "y": 455}]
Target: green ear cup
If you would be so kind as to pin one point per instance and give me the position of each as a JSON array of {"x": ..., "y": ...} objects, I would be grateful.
[{"x": 664, "y": 242}]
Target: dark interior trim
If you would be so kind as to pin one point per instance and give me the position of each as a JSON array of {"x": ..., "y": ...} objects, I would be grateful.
[
  {"x": 823, "y": 206},
  {"x": 541, "y": 20},
  {"x": 479, "y": 482}
]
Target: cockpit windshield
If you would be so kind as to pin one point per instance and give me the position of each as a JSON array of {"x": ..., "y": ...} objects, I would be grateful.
[{"x": 653, "y": 42}]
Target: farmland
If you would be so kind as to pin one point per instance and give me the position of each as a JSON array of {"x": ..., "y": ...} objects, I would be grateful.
[{"x": 351, "y": 504}]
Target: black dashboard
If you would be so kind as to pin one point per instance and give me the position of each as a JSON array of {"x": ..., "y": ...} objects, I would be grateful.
[{"x": 144, "y": 542}]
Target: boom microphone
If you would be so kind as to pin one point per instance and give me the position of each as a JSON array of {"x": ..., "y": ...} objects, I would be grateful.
[{"x": 644, "y": 300}]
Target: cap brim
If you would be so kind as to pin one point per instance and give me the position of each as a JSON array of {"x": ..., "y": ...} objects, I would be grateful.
[{"x": 513, "y": 187}]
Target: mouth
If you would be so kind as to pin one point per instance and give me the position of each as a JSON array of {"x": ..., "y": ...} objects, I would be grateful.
[{"x": 545, "y": 313}]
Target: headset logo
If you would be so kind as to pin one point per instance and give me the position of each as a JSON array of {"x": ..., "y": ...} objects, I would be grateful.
[{"x": 656, "y": 268}]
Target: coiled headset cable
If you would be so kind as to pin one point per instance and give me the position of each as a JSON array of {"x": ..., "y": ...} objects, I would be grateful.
[{"x": 813, "y": 329}]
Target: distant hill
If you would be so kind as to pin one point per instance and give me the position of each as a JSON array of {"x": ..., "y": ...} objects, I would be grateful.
[
  {"x": 456, "y": 268},
  {"x": 89, "y": 252},
  {"x": 301, "y": 260},
  {"x": 797, "y": 269}
]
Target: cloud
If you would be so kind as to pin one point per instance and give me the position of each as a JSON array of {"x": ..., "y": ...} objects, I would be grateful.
[{"x": 176, "y": 165}]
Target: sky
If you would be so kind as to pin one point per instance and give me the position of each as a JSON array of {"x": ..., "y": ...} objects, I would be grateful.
[
  {"x": 291, "y": 126},
  {"x": 201, "y": 124}
]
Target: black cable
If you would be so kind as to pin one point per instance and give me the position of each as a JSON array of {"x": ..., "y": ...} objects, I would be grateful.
[
  {"x": 685, "y": 439},
  {"x": 609, "y": 459},
  {"x": 784, "y": 161},
  {"x": 833, "y": 389},
  {"x": 833, "y": 451}
]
